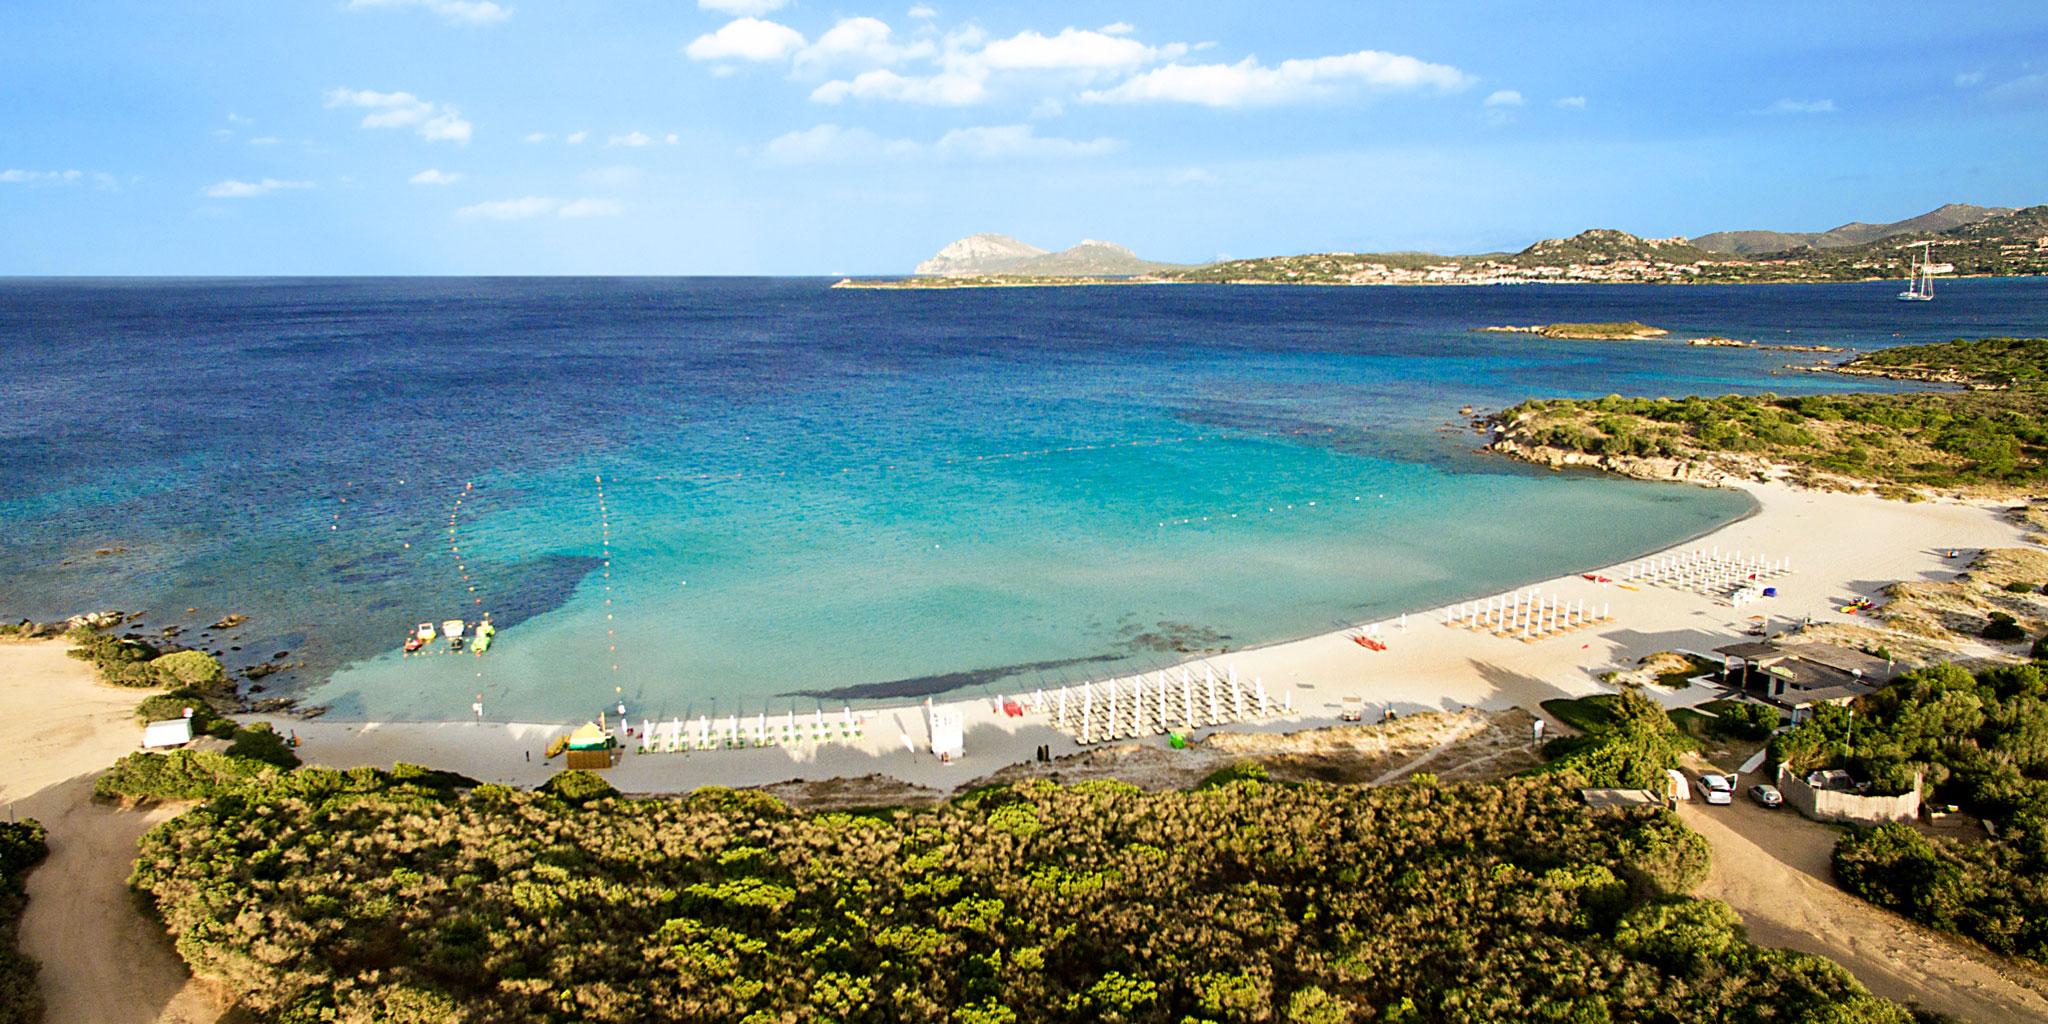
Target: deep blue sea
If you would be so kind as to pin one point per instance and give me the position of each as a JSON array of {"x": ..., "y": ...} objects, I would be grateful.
[{"x": 720, "y": 493}]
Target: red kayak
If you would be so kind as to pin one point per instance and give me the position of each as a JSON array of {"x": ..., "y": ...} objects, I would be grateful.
[{"x": 1596, "y": 579}]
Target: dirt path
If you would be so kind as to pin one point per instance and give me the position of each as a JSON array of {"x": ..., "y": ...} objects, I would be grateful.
[
  {"x": 1772, "y": 867},
  {"x": 102, "y": 961}
]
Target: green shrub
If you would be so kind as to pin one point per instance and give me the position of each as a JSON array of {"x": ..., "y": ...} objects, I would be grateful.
[
  {"x": 22, "y": 847},
  {"x": 260, "y": 742},
  {"x": 120, "y": 662},
  {"x": 178, "y": 775},
  {"x": 2040, "y": 651},
  {"x": 1241, "y": 771},
  {"x": 576, "y": 786},
  {"x": 2020, "y": 587},
  {"x": 2003, "y": 628},
  {"x": 196, "y": 669},
  {"x": 357, "y": 896}
]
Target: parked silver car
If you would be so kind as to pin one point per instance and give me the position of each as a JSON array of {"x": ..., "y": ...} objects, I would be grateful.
[
  {"x": 1718, "y": 789},
  {"x": 1766, "y": 795}
]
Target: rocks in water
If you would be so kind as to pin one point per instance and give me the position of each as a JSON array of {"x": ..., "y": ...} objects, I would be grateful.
[
  {"x": 104, "y": 552},
  {"x": 173, "y": 630},
  {"x": 261, "y": 669},
  {"x": 95, "y": 620},
  {"x": 230, "y": 621},
  {"x": 280, "y": 656}
]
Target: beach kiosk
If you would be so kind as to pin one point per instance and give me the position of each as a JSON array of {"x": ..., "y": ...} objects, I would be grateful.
[
  {"x": 590, "y": 748},
  {"x": 949, "y": 731},
  {"x": 171, "y": 732}
]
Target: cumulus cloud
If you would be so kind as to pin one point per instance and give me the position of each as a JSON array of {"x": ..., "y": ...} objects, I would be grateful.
[
  {"x": 532, "y": 137},
  {"x": 575, "y": 138},
  {"x": 433, "y": 122},
  {"x": 860, "y": 42},
  {"x": 945, "y": 89},
  {"x": 432, "y": 176},
  {"x": 1249, "y": 83},
  {"x": 455, "y": 12},
  {"x": 755, "y": 8},
  {"x": 633, "y": 140},
  {"x": 746, "y": 39},
  {"x": 531, "y": 207},
  {"x": 2024, "y": 87},
  {"x": 1504, "y": 98},
  {"x": 831, "y": 143},
  {"x": 1075, "y": 49},
  {"x": 1792, "y": 106},
  {"x": 923, "y": 11},
  {"x": 1572, "y": 102},
  {"x": 234, "y": 189}
]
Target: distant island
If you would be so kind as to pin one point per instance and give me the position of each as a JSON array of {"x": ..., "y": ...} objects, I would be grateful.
[
  {"x": 1627, "y": 330},
  {"x": 1962, "y": 241}
]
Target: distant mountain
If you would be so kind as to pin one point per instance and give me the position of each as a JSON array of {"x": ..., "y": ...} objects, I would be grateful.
[
  {"x": 1748, "y": 243},
  {"x": 992, "y": 255}
]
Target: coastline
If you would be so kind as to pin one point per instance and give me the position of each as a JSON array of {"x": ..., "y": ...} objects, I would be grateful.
[{"x": 1428, "y": 667}]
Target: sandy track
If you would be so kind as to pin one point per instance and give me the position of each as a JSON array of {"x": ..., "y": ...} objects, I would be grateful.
[
  {"x": 103, "y": 961},
  {"x": 1772, "y": 867}
]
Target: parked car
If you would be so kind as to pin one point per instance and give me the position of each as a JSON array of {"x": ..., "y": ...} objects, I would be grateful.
[
  {"x": 1718, "y": 788},
  {"x": 1767, "y": 795}
]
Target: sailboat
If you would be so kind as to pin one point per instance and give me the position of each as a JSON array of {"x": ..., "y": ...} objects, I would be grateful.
[{"x": 1920, "y": 288}]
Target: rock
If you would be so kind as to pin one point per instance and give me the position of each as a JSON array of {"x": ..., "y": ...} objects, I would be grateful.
[
  {"x": 261, "y": 669},
  {"x": 94, "y": 620},
  {"x": 230, "y": 622},
  {"x": 280, "y": 656},
  {"x": 173, "y": 630}
]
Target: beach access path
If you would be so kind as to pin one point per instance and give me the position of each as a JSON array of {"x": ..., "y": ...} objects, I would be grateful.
[
  {"x": 102, "y": 960},
  {"x": 1841, "y": 546}
]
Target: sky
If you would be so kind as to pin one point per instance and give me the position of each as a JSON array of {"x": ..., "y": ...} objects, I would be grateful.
[{"x": 201, "y": 137}]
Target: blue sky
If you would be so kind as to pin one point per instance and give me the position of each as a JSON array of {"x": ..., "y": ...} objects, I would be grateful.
[{"x": 807, "y": 137}]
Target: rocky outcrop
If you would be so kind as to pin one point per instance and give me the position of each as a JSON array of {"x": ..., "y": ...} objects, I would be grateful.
[{"x": 976, "y": 255}]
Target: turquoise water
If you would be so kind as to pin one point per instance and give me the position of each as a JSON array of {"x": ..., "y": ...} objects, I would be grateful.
[{"x": 813, "y": 495}]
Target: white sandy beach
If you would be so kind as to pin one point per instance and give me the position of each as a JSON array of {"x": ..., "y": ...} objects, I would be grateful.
[{"x": 1841, "y": 546}]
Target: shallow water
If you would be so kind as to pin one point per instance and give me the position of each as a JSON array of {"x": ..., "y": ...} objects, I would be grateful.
[{"x": 818, "y": 491}]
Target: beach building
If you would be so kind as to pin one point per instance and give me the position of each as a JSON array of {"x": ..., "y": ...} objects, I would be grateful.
[
  {"x": 1797, "y": 677},
  {"x": 171, "y": 732},
  {"x": 590, "y": 748}
]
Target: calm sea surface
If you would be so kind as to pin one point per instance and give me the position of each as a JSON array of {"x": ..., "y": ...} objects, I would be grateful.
[{"x": 718, "y": 493}]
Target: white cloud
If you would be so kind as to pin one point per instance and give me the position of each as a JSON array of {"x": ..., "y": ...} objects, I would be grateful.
[
  {"x": 1074, "y": 49},
  {"x": 455, "y": 12},
  {"x": 1967, "y": 79},
  {"x": 575, "y": 138},
  {"x": 531, "y": 207},
  {"x": 16, "y": 176},
  {"x": 1047, "y": 108},
  {"x": 923, "y": 11},
  {"x": 672, "y": 138},
  {"x": 237, "y": 119},
  {"x": 264, "y": 140},
  {"x": 746, "y": 39},
  {"x": 590, "y": 208},
  {"x": 2021, "y": 88},
  {"x": 431, "y": 176},
  {"x": 233, "y": 189},
  {"x": 860, "y": 42},
  {"x": 1249, "y": 83},
  {"x": 1503, "y": 98},
  {"x": 830, "y": 143},
  {"x": 1118, "y": 28},
  {"x": 430, "y": 121},
  {"x": 751, "y": 7},
  {"x": 532, "y": 137},
  {"x": 1792, "y": 106},
  {"x": 1572, "y": 102},
  {"x": 632, "y": 140},
  {"x": 945, "y": 89}
]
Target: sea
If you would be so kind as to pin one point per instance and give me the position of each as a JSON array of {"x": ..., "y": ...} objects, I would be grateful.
[{"x": 713, "y": 495}]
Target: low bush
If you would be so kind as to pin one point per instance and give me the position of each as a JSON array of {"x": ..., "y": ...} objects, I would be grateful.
[
  {"x": 22, "y": 847},
  {"x": 260, "y": 742},
  {"x": 2020, "y": 587},
  {"x": 205, "y": 720},
  {"x": 178, "y": 775},
  {"x": 2003, "y": 628},
  {"x": 577, "y": 787}
]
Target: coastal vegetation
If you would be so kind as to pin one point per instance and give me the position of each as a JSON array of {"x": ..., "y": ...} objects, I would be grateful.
[
  {"x": 124, "y": 662},
  {"x": 1625, "y": 739},
  {"x": 2000, "y": 362},
  {"x": 1980, "y": 440},
  {"x": 22, "y": 847},
  {"x": 1980, "y": 742},
  {"x": 411, "y": 896}
]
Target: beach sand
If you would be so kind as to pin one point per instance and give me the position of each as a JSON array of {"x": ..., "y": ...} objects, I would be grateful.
[
  {"x": 1841, "y": 546},
  {"x": 102, "y": 960}
]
